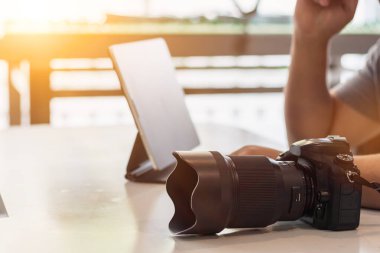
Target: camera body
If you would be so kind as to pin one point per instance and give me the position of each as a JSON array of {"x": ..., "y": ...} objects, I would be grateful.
[{"x": 336, "y": 199}]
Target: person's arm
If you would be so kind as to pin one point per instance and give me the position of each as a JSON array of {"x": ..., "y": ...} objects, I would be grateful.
[
  {"x": 310, "y": 109},
  {"x": 257, "y": 150},
  {"x": 369, "y": 169},
  {"x": 308, "y": 104}
]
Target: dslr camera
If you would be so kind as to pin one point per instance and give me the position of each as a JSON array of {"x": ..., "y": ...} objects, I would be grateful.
[{"x": 316, "y": 181}]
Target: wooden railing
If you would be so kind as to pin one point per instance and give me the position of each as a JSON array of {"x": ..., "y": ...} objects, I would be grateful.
[{"x": 40, "y": 49}]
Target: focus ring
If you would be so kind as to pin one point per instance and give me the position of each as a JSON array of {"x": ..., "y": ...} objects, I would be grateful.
[{"x": 258, "y": 192}]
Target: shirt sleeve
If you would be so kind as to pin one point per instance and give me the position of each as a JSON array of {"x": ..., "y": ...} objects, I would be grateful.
[{"x": 362, "y": 91}]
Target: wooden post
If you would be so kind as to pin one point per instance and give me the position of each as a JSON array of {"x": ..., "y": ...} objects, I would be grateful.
[
  {"x": 40, "y": 93},
  {"x": 14, "y": 98}
]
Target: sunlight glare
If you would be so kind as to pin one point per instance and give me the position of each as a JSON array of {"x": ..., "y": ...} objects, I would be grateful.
[{"x": 51, "y": 10}]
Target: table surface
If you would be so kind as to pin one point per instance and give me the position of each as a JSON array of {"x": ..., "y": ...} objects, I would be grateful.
[{"x": 64, "y": 192}]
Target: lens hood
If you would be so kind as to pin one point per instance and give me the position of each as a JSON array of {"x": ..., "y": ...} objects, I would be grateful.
[{"x": 197, "y": 187}]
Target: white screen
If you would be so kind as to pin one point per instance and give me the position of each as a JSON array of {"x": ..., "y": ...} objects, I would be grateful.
[{"x": 147, "y": 76}]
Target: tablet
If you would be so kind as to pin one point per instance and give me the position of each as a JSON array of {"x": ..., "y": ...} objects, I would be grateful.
[{"x": 148, "y": 80}]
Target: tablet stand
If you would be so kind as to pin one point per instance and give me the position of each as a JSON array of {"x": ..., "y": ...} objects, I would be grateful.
[
  {"x": 3, "y": 211},
  {"x": 140, "y": 169}
]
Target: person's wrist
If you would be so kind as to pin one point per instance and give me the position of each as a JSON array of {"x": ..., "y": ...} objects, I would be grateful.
[{"x": 317, "y": 40}]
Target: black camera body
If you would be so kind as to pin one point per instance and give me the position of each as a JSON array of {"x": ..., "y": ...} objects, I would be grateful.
[{"x": 336, "y": 198}]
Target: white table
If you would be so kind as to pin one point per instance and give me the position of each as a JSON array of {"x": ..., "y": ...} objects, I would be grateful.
[{"x": 64, "y": 192}]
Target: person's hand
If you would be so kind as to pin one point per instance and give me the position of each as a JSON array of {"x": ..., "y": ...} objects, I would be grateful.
[
  {"x": 256, "y": 150},
  {"x": 319, "y": 20}
]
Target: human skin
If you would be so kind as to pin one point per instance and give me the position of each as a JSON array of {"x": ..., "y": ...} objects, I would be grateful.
[{"x": 311, "y": 109}]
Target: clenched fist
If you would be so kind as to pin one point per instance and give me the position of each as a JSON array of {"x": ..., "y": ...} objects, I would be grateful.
[{"x": 321, "y": 19}]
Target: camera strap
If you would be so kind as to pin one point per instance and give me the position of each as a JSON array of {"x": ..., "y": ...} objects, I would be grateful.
[{"x": 354, "y": 177}]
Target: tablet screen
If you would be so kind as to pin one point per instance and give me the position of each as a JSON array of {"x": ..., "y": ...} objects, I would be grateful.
[{"x": 147, "y": 76}]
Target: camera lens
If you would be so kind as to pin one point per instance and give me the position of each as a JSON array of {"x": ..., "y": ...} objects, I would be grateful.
[{"x": 211, "y": 192}]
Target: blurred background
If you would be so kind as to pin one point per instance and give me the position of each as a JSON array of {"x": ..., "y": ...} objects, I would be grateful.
[{"x": 232, "y": 58}]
